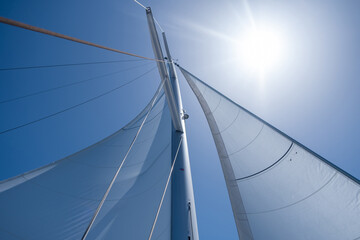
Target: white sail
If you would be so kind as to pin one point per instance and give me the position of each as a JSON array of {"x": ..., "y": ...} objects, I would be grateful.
[
  {"x": 278, "y": 188},
  {"x": 59, "y": 200}
]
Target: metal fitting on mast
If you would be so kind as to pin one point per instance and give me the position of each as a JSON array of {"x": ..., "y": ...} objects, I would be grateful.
[{"x": 173, "y": 106}]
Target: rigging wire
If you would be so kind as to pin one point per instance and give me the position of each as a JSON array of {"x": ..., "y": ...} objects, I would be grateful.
[
  {"x": 122, "y": 163},
  {"x": 158, "y": 25},
  {"x": 140, "y": 4},
  {"x": 54, "y": 34},
  {"x": 166, "y": 186},
  {"x": 70, "y": 84},
  {"x": 77, "y": 105},
  {"x": 67, "y": 65},
  {"x": 153, "y": 17}
]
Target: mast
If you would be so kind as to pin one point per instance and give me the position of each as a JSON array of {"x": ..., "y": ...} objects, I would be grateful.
[{"x": 183, "y": 214}]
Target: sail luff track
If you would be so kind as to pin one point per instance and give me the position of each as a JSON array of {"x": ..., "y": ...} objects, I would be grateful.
[{"x": 73, "y": 39}]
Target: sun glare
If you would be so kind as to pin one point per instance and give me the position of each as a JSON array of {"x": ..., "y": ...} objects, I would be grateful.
[{"x": 260, "y": 49}]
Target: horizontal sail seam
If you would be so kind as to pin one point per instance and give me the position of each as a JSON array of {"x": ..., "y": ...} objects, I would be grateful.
[
  {"x": 297, "y": 202},
  {"x": 125, "y": 166},
  {"x": 233, "y": 121},
  {"x": 212, "y": 112},
  {"x": 239, "y": 150}
]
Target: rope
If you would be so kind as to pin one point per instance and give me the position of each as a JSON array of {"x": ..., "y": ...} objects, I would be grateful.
[
  {"x": 51, "y": 33},
  {"x": 163, "y": 195},
  {"x": 68, "y": 85},
  {"x": 77, "y": 105},
  {"x": 64, "y": 65},
  {"x": 122, "y": 163}
]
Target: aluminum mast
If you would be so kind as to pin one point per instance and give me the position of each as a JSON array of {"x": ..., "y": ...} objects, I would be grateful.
[{"x": 183, "y": 215}]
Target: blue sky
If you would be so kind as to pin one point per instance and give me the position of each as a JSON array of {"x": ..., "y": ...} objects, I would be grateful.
[{"x": 313, "y": 95}]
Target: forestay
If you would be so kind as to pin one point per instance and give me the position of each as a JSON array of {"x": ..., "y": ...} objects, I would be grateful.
[
  {"x": 59, "y": 200},
  {"x": 278, "y": 188}
]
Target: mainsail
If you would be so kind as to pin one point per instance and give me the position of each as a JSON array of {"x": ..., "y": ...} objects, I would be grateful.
[
  {"x": 59, "y": 200},
  {"x": 278, "y": 188}
]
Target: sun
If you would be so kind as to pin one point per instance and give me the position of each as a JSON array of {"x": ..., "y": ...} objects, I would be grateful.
[{"x": 260, "y": 49}]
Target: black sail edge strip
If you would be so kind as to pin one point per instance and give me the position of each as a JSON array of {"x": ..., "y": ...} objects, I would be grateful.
[{"x": 263, "y": 170}]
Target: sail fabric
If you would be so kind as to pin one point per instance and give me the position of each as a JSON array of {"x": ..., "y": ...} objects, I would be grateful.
[
  {"x": 278, "y": 188},
  {"x": 58, "y": 201}
]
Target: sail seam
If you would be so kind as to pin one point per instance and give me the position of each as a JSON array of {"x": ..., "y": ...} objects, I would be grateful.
[
  {"x": 212, "y": 112},
  {"x": 103, "y": 167},
  {"x": 297, "y": 202},
  {"x": 267, "y": 168},
  {"x": 237, "y": 115},
  {"x": 239, "y": 150}
]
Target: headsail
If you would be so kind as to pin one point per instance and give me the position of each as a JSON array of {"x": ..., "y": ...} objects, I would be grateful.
[
  {"x": 59, "y": 200},
  {"x": 278, "y": 188}
]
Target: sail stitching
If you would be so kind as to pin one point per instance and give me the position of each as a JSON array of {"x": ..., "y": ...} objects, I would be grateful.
[
  {"x": 212, "y": 112},
  {"x": 267, "y": 168},
  {"x": 237, "y": 115},
  {"x": 239, "y": 150},
  {"x": 301, "y": 200},
  {"x": 103, "y": 167},
  {"x": 164, "y": 192},
  {"x": 122, "y": 163}
]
